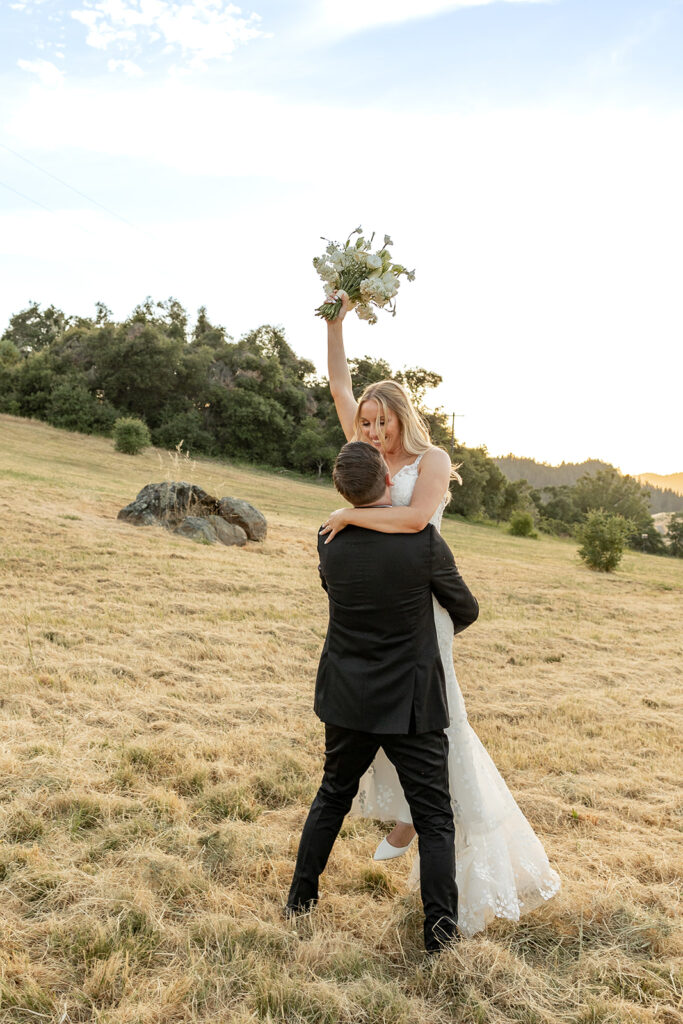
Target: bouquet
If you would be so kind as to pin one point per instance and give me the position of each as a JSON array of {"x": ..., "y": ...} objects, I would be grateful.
[{"x": 370, "y": 279}]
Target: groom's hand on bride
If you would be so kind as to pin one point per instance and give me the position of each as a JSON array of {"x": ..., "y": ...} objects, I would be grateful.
[{"x": 335, "y": 522}]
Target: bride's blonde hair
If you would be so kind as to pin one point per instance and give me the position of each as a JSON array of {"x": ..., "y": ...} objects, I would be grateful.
[{"x": 389, "y": 394}]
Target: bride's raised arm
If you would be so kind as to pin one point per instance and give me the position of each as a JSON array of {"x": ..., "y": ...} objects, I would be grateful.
[{"x": 338, "y": 372}]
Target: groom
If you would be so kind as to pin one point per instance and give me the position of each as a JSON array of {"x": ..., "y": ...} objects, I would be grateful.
[{"x": 381, "y": 683}]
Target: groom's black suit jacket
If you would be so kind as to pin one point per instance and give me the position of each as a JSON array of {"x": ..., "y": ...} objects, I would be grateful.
[{"x": 380, "y": 670}]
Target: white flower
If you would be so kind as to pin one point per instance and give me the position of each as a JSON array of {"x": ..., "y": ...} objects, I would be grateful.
[
  {"x": 372, "y": 290},
  {"x": 390, "y": 282},
  {"x": 366, "y": 312},
  {"x": 374, "y": 262}
]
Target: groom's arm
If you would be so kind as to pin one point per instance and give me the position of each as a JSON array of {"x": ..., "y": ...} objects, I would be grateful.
[{"x": 448, "y": 586}]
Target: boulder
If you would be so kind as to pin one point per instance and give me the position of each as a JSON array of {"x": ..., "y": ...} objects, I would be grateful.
[
  {"x": 167, "y": 504},
  {"x": 196, "y": 528},
  {"x": 190, "y": 512},
  {"x": 241, "y": 513},
  {"x": 227, "y": 533}
]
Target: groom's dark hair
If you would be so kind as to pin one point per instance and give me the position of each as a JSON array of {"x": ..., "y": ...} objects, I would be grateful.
[{"x": 360, "y": 473}]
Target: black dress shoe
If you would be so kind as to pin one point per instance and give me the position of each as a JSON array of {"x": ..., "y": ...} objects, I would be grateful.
[
  {"x": 292, "y": 910},
  {"x": 444, "y": 941}
]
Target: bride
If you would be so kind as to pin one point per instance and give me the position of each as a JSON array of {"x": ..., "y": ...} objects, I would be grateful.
[{"x": 501, "y": 867}]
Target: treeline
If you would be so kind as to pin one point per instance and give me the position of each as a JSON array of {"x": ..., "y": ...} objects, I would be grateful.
[
  {"x": 540, "y": 474},
  {"x": 253, "y": 399}
]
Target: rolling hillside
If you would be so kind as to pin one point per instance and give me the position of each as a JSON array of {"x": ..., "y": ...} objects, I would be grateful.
[{"x": 160, "y": 752}]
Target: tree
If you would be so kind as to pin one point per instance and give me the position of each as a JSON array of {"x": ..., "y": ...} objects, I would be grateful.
[
  {"x": 250, "y": 425},
  {"x": 675, "y": 535},
  {"x": 136, "y": 365},
  {"x": 417, "y": 382},
  {"x": 313, "y": 448},
  {"x": 33, "y": 330},
  {"x": 483, "y": 484},
  {"x": 9, "y": 353},
  {"x": 602, "y": 537},
  {"x": 515, "y": 495},
  {"x": 73, "y": 407},
  {"x": 205, "y": 333},
  {"x": 366, "y": 370},
  {"x": 557, "y": 508},
  {"x": 620, "y": 495}
]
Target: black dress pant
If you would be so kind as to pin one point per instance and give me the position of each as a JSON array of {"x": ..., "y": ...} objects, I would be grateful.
[{"x": 421, "y": 763}]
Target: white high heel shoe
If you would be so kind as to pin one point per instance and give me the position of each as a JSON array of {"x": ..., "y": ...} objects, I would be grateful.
[{"x": 385, "y": 851}]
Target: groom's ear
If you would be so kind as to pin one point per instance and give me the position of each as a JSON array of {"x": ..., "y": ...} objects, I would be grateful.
[{"x": 388, "y": 481}]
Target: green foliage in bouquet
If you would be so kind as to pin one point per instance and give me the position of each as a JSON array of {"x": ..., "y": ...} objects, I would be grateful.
[{"x": 370, "y": 279}]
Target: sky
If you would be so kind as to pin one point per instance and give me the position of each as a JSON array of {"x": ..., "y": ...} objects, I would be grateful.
[{"x": 526, "y": 157}]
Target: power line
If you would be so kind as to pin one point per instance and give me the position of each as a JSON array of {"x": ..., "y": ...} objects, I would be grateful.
[
  {"x": 27, "y": 198},
  {"x": 42, "y": 206},
  {"x": 83, "y": 195}
]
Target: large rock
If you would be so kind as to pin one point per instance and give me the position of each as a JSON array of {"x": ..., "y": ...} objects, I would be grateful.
[
  {"x": 227, "y": 533},
  {"x": 240, "y": 512},
  {"x": 211, "y": 529},
  {"x": 191, "y": 512},
  {"x": 196, "y": 528},
  {"x": 167, "y": 504}
]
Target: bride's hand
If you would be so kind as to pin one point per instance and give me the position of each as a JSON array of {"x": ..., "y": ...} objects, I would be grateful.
[
  {"x": 335, "y": 522},
  {"x": 345, "y": 305}
]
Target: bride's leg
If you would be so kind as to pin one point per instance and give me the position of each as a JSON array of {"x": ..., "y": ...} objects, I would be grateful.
[{"x": 401, "y": 834}]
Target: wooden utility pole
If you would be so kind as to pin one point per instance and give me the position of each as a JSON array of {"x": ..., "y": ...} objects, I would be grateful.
[{"x": 460, "y": 415}]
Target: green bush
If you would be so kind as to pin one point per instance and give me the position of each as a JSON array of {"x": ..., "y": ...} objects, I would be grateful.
[
  {"x": 602, "y": 537},
  {"x": 73, "y": 407},
  {"x": 522, "y": 524},
  {"x": 131, "y": 435}
]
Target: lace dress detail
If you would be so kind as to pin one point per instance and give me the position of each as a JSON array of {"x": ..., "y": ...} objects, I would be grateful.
[{"x": 501, "y": 866}]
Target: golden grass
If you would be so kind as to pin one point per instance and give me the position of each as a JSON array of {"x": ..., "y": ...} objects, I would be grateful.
[{"x": 159, "y": 752}]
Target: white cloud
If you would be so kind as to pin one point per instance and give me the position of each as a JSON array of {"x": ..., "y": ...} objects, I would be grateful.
[
  {"x": 48, "y": 73},
  {"x": 547, "y": 246},
  {"x": 201, "y": 31},
  {"x": 359, "y": 15},
  {"x": 129, "y": 68}
]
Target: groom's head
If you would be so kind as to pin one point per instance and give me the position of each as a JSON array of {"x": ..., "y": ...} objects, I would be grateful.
[{"x": 360, "y": 474}]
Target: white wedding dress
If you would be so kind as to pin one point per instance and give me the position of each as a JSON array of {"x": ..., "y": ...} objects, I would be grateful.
[{"x": 501, "y": 867}]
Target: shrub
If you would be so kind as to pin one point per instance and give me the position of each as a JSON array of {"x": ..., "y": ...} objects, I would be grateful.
[
  {"x": 131, "y": 435},
  {"x": 522, "y": 524},
  {"x": 73, "y": 407},
  {"x": 602, "y": 537}
]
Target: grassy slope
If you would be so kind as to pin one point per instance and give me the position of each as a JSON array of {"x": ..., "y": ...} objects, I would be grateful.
[{"x": 159, "y": 752}]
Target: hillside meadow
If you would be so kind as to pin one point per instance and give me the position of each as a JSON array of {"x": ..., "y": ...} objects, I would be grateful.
[{"x": 159, "y": 752}]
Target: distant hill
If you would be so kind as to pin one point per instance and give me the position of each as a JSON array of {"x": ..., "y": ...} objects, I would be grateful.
[
  {"x": 671, "y": 482},
  {"x": 541, "y": 474}
]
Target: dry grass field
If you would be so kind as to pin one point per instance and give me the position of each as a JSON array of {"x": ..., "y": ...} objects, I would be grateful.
[{"x": 159, "y": 752}]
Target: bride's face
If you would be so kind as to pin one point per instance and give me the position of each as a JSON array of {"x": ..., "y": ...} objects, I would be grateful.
[{"x": 369, "y": 412}]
